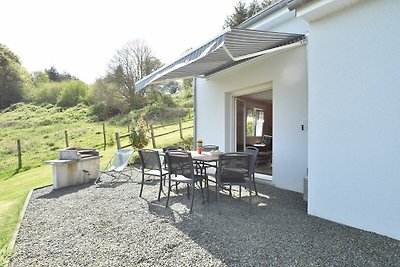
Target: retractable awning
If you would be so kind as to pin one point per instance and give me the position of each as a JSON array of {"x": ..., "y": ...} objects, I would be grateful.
[{"x": 231, "y": 47}]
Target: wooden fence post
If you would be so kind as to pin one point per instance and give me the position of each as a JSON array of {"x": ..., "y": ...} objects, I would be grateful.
[
  {"x": 104, "y": 136},
  {"x": 180, "y": 128},
  {"x": 19, "y": 154},
  {"x": 66, "y": 139},
  {"x": 153, "y": 141},
  {"x": 118, "y": 141}
]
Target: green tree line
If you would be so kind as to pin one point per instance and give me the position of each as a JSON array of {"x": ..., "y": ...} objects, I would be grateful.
[{"x": 110, "y": 95}]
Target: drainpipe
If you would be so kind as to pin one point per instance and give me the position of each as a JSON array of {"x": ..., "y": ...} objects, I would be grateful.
[{"x": 194, "y": 112}]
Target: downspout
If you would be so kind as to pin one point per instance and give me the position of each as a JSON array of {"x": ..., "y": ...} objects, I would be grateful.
[{"x": 194, "y": 112}]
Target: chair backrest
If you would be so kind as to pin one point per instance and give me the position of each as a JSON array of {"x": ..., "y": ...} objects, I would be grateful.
[
  {"x": 120, "y": 159},
  {"x": 150, "y": 159},
  {"x": 208, "y": 148},
  {"x": 169, "y": 148},
  {"x": 180, "y": 163},
  {"x": 267, "y": 140},
  {"x": 253, "y": 152},
  {"x": 233, "y": 167}
]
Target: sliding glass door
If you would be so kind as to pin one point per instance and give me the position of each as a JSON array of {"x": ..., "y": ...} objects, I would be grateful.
[{"x": 240, "y": 119}]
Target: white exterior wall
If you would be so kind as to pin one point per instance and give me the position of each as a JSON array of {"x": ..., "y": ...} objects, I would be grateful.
[
  {"x": 354, "y": 125},
  {"x": 287, "y": 72},
  {"x": 282, "y": 21}
]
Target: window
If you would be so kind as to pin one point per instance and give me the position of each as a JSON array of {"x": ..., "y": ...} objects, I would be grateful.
[{"x": 254, "y": 122}]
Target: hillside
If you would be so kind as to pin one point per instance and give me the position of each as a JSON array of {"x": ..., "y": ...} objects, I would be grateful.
[{"x": 41, "y": 131}]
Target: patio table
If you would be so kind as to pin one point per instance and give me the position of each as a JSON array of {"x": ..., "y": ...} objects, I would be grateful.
[{"x": 204, "y": 157}]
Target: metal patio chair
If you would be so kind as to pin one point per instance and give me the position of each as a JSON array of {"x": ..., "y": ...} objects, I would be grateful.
[
  {"x": 205, "y": 166},
  {"x": 151, "y": 165},
  {"x": 265, "y": 154},
  {"x": 208, "y": 148},
  {"x": 170, "y": 148},
  {"x": 116, "y": 166},
  {"x": 234, "y": 169},
  {"x": 253, "y": 152},
  {"x": 181, "y": 170}
]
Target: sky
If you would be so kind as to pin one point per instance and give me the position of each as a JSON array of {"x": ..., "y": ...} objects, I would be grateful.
[{"x": 81, "y": 36}]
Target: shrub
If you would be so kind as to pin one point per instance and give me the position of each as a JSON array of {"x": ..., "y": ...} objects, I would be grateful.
[
  {"x": 47, "y": 93},
  {"x": 73, "y": 92},
  {"x": 186, "y": 144},
  {"x": 139, "y": 133}
]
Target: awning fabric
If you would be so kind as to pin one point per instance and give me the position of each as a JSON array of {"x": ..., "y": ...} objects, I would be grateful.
[{"x": 231, "y": 47}]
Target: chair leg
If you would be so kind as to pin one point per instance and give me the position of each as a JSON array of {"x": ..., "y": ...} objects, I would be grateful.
[
  {"x": 188, "y": 191},
  {"x": 208, "y": 191},
  {"x": 98, "y": 179},
  {"x": 240, "y": 191},
  {"x": 191, "y": 198},
  {"x": 254, "y": 184},
  {"x": 169, "y": 190},
  {"x": 141, "y": 186},
  {"x": 159, "y": 190}
]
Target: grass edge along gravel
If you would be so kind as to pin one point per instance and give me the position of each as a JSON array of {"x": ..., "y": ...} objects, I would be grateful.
[{"x": 13, "y": 193}]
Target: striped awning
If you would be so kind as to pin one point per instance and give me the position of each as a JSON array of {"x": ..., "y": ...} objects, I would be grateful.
[{"x": 229, "y": 48}]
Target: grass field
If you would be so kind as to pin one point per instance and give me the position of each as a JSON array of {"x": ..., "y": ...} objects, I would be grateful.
[{"x": 41, "y": 131}]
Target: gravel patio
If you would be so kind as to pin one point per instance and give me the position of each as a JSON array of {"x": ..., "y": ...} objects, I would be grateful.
[{"x": 111, "y": 226}]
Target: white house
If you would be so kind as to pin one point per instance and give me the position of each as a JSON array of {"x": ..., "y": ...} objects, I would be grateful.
[{"x": 322, "y": 78}]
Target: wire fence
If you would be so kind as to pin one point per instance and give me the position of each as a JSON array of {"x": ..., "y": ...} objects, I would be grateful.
[
  {"x": 32, "y": 153},
  {"x": 151, "y": 129}
]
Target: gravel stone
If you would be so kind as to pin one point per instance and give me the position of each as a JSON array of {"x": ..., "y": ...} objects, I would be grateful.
[{"x": 110, "y": 225}]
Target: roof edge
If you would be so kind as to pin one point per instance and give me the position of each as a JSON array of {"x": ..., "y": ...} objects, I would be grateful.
[
  {"x": 293, "y": 4},
  {"x": 263, "y": 13}
]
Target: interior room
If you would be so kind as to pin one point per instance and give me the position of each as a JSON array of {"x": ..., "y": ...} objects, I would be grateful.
[{"x": 254, "y": 127}]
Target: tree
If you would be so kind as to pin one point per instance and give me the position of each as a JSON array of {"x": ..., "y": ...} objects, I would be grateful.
[
  {"x": 40, "y": 77},
  {"x": 130, "y": 64},
  {"x": 106, "y": 100},
  {"x": 187, "y": 84},
  {"x": 242, "y": 12},
  {"x": 171, "y": 87},
  {"x": 14, "y": 79},
  {"x": 238, "y": 16},
  {"x": 55, "y": 76}
]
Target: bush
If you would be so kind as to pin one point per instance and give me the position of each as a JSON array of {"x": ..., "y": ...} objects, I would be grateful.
[
  {"x": 47, "y": 93},
  {"x": 139, "y": 133},
  {"x": 73, "y": 92},
  {"x": 186, "y": 144},
  {"x": 106, "y": 99}
]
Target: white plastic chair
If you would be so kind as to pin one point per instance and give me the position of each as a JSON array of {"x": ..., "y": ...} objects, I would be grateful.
[{"x": 116, "y": 165}]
